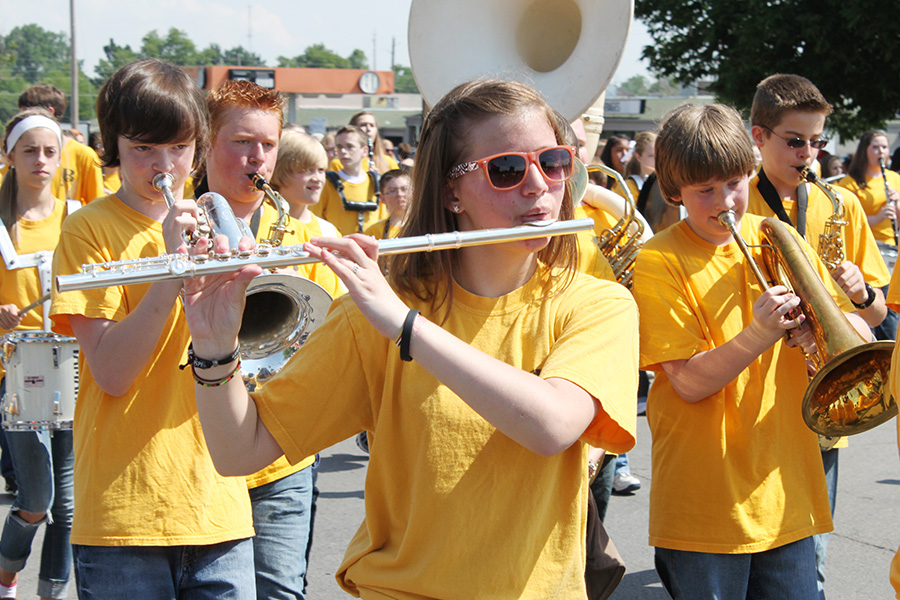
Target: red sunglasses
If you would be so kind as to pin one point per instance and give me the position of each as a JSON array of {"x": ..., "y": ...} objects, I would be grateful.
[{"x": 507, "y": 171}]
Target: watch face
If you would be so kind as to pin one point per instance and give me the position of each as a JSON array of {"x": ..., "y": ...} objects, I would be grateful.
[{"x": 369, "y": 82}]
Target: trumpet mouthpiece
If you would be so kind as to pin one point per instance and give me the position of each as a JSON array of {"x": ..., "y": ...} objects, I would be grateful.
[
  {"x": 163, "y": 181},
  {"x": 727, "y": 218}
]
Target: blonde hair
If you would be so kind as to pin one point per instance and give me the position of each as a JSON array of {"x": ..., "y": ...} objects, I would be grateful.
[
  {"x": 642, "y": 142},
  {"x": 297, "y": 152},
  {"x": 698, "y": 144}
]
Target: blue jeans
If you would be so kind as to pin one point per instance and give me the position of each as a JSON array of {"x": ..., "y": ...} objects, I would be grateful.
[
  {"x": 44, "y": 464},
  {"x": 830, "y": 462},
  {"x": 622, "y": 464},
  {"x": 282, "y": 518},
  {"x": 887, "y": 329},
  {"x": 218, "y": 571},
  {"x": 784, "y": 572}
]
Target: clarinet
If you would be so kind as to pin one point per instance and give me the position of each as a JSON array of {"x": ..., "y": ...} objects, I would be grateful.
[
  {"x": 887, "y": 191},
  {"x": 375, "y": 176}
]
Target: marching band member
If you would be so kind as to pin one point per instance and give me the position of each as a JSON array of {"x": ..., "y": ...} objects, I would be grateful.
[
  {"x": 153, "y": 518},
  {"x": 32, "y": 218},
  {"x": 738, "y": 487},
  {"x": 509, "y": 364}
]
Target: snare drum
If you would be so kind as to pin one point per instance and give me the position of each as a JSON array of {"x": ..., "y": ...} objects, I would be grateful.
[
  {"x": 41, "y": 380},
  {"x": 889, "y": 254}
]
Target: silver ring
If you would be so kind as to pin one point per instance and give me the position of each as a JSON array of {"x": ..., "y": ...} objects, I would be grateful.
[{"x": 355, "y": 268}]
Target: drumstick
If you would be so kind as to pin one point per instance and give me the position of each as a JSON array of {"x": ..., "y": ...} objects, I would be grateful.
[{"x": 35, "y": 304}]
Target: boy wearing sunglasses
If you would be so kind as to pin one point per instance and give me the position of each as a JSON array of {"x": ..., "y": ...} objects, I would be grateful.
[{"x": 788, "y": 119}]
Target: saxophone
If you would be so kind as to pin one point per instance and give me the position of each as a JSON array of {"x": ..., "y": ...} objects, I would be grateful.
[{"x": 831, "y": 242}]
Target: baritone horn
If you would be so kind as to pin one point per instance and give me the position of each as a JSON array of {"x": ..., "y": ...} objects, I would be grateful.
[{"x": 849, "y": 393}]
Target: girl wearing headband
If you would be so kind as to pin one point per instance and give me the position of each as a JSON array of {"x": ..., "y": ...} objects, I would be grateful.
[
  {"x": 43, "y": 462},
  {"x": 507, "y": 364}
]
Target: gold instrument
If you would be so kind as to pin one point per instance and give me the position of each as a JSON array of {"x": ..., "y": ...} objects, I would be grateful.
[
  {"x": 622, "y": 243},
  {"x": 887, "y": 198},
  {"x": 831, "y": 242},
  {"x": 849, "y": 393},
  {"x": 279, "y": 227}
]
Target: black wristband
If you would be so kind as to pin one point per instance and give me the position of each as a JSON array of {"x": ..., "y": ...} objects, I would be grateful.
[
  {"x": 206, "y": 363},
  {"x": 869, "y": 299},
  {"x": 406, "y": 334}
]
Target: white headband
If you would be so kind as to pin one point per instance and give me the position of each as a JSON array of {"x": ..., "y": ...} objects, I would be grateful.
[{"x": 30, "y": 122}]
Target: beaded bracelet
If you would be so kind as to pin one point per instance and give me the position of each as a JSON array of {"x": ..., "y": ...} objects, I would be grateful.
[{"x": 216, "y": 382}]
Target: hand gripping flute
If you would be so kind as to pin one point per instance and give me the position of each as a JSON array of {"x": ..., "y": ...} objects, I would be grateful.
[{"x": 180, "y": 266}]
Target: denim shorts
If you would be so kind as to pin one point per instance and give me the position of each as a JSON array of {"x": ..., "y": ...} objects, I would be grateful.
[{"x": 218, "y": 571}]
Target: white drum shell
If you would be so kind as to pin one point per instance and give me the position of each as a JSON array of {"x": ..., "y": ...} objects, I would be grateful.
[{"x": 41, "y": 380}]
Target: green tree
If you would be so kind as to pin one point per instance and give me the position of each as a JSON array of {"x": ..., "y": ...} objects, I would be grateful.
[
  {"x": 239, "y": 56},
  {"x": 636, "y": 85},
  {"x": 318, "y": 56},
  {"x": 116, "y": 57},
  {"x": 739, "y": 42},
  {"x": 31, "y": 55},
  {"x": 33, "y": 51},
  {"x": 404, "y": 82},
  {"x": 176, "y": 47}
]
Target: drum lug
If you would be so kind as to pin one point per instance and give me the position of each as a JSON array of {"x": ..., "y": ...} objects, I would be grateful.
[
  {"x": 56, "y": 359},
  {"x": 57, "y": 411}
]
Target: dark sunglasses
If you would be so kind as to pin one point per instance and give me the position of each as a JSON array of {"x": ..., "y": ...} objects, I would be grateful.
[
  {"x": 797, "y": 143},
  {"x": 507, "y": 171}
]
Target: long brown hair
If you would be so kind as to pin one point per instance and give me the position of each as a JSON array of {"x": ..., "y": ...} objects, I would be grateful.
[
  {"x": 428, "y": 276},
  {"x": 9, "y": 188},
  {"x": 859, "y": 164}
]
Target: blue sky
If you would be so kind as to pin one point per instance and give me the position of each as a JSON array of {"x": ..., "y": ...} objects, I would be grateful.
[{"x": 271, "y": 29}]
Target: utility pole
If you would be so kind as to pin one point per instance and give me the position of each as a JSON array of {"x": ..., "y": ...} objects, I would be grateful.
[
  {"x": 393, "y": 51},
  {"x": 73, "y": 102}
]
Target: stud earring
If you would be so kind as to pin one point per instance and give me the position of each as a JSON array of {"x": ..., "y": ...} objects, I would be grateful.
[{"x": 456, "y": 208}]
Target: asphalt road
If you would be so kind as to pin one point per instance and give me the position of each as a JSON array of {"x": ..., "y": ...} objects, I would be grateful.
[{"x": 867, "y": 521}]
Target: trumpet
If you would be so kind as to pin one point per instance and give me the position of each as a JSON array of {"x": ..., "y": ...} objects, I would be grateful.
[
  {"x": 887, "y": 198},
  {"x": 849, "y": 393},
  {"x": 180, "y": 266}
]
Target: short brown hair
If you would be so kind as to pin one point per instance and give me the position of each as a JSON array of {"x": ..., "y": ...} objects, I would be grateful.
[
  {"x": 297, "y": 152},
  {"x": 698, "y": 144},
  {"x": 353, "y": 129},
  {"x": 241, "y": 94},
  {"x": 780, "y": 94},
  {"x": 46, "y": 96},
  {"x": 152, "y": 101}
]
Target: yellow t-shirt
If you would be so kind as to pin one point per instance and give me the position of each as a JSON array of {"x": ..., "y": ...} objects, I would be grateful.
[
  {"x": 590, "y": 260},
  {"x": 377, "y": 230},
  {"x": 859, "y": 245},
  {"x": 23, "y": 286},
  {"x": 337, "y": 165},
  {"x": 79, "y": 176},
  {"x": 143, "y": 473},
  {"x": 112, "y": 182},
  {"x": 436, "y": 465},
  {"x": 319, "y": 227},
  {"x": 331, "y": 208},
  {"x": 632, "y": 187},
  {"x": 739, "y": 471},
  {"x": 321, "y": 274},
  {"x": 872, "y": 198},
  {"x": 893, "y": 302}
]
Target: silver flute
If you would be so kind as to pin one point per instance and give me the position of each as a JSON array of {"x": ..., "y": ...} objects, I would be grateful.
[{"x": 181, "y": 266}]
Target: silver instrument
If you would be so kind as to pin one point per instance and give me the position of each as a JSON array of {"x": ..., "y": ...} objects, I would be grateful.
[{"x": 180, "y": 266}]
